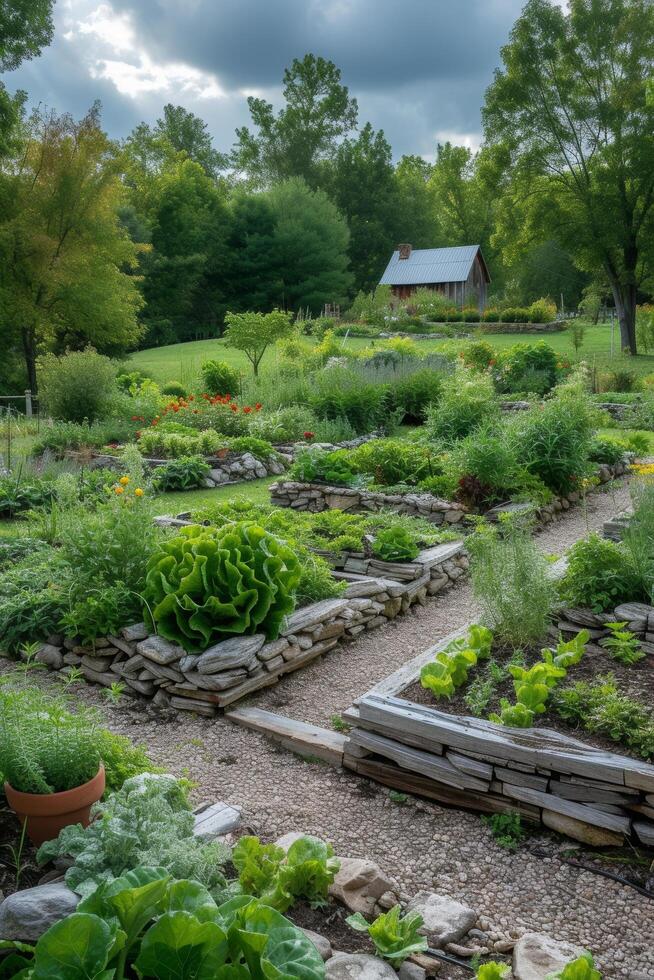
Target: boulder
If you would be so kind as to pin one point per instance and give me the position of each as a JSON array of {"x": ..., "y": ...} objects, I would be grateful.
[
  {"x": 358, "y": 966},
  {"x": 322, "y": 944},
  {"x": 50, "y": 655},
  {"x": 359, "y": 885},
  {"x": 27, "y": 914},
  {"x": 444, "y": 919},
  {"x": 536, "y": 954}
]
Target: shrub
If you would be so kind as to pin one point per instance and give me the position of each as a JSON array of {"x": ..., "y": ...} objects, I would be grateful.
[
  {"x": 394, "y": 544},
  {"x": 510, "y": 578},
  {"x": 491, "y": 316},
  {"x": 528, "y": 367},
  {"x": 283, "y": 425},
  {"x": 130, "y": 380},
  {"x": 607, "y": 451},
  {"x": 343, "y": 396},
  {"x": 487, "y": 455},
  {"x": 471, "y": 316},
  {"x": 218, "y": 378},
  {"x": 317, "y": 465},
  {"x": 414, "y": 393},
  {"x": 331, "y": 431},
  {"x": 466, "y": 401},
  {"x": 18, "y": 494},
  {"x": 455, "y": 316},
  {"x": 204, "y": 585},
  {"x": 542, "y": 311},
  {"x": 76, "y": 386},
  {"x": 430, "y": 304},
  {"x": 174, "y": 388},
  {"x": 516, "y": 315},
  {"x": 184, "y": 473},
  {"x": 391, "y": 461},
  {"x": 61, "y": 436},
  {"x": 478, "y": 356},
  {"x": 622, "y": 380},
  {"x": 599, "y": 575}
]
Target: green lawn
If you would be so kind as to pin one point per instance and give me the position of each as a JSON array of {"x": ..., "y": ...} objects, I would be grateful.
[
  {"x": 253, "y": 490},
  {"x": 181, "y": 362}
]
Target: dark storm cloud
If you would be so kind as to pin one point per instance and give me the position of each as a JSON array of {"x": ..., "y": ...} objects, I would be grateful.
[{"x": 419, "y": 68}]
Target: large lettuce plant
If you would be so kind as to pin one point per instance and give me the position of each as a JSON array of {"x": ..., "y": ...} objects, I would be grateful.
[
  {"x": 208, "y": 584},
  {"x": 148, "y": 924}
]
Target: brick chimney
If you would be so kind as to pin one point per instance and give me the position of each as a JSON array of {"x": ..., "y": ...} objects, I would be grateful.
[{"x": 405, "y": 251}]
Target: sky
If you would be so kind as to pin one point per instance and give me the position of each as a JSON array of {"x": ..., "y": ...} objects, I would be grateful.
[{"x": 418, "y": 68}]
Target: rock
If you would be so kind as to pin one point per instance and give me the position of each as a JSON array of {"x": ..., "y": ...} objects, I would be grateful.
[
  {"x": 358, "y": 966},
  {"x": 138, "y": 631},
  {"x": 322, "y": 944},
  {"x": 359, "y": 885},
  {"x": 466, "y": 951},
  {"x": 159, "y": 650},
  {"x": 411, "y": 971},
  {"x": 27, "y": 914},
  {"x": 445, "y": 920},
  {"x": 50, "y": 655},
  {"x": 216, "y": 820},
  {"x": 580, "y": 830},
  {"x": 536, "y": 954},
  {"x": 238, "y": 651},
  {"x": 429, "y": 964}
]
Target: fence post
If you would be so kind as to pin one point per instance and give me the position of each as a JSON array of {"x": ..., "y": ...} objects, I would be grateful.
[{"x": 28, "y": 403}]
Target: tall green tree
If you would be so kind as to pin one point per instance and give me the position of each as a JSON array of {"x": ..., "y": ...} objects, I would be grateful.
[
  {"x": 25, "y": 28},
  {"x": 64, "y": 256},
  {"x": 296, "y": 141},
  {"x": 253, "y": 276},
  {"x": 416, "y": 206},
  {"x": 570, "y": 108},
  {"x": 183, "y": 283},
  {"x": 364, "y": 187},
  {"x": 311, "y": 241}
]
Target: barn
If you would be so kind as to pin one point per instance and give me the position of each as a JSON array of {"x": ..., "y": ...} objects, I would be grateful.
[{"x": 460, "y": 273}]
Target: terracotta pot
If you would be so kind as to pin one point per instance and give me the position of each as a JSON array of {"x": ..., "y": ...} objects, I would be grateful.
[{"x": 47, "y": 813}]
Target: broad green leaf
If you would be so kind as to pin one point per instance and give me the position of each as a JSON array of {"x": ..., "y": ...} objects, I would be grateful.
[
  {"x": 582, "y": 968},
  {"x": 77, "y": 948},
  {"x": 358, "y": 922},
  {"x": 178, "y": 947},
  {"x": 191, "y": 896},
  {"x": 289, "y": 954},
  {"x": 492, "y": 971}
]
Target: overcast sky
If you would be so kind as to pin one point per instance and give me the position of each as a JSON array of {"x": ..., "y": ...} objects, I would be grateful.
[{"x": 419, "y": 68}]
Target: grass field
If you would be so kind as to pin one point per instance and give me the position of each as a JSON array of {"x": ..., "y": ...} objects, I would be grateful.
[{"x": 181, "y": 362}]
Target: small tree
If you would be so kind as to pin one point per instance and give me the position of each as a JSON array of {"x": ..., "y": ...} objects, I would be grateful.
[
  {"x": 253, "y": 333},
  {"x": 577, "y": 329}
]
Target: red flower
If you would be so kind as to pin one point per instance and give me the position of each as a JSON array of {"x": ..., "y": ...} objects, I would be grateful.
[
  {"x": 191, "y": 398},
  {"x": 258, "y": 407},
  {"x": 308, "y": 435},
  {"x": 135, "y": 418},
  {"x": 234, "y": 408},
  {"x": 247, "y": 409},
  {"x": 175, "y": 408}
]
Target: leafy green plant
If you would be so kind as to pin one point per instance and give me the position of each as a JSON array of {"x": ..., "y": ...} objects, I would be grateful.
[
  {"x": 492, "y": 971},
  {"x": 218, "y": 378},
  {"x": 77, "y": 385},
  {"x": 17, "y": 495},
  {"x": 392, "y": 461},
  {"x": 467, "y": 401},
  {"x": 394, "y": 544},
  {"x": 260, "y": 448},
  {"x": 208, "y": 584},
  {"x": 148, "y": 924},
  {"x": 147, "y": 821},
  {"x": 185, "y": 473},
  {"x": 450, "y": 668},
  {"x": 600, "y": 707},
  {"x": 280, "y": 877},
  {"x": 162, "y": 442},
  {"x": 315, "y": 465},
  {"x": 395, "y": 936},
  {"x": 316, "y": 580},
  {"x": 639, "y": 535},
  {"x": 622, "y": 644},
  {"x": 582, "y": 968},
  {"x": 506, "y": 828},
  {"x": 599, "y": 574},
  {"x": 99, "y": 612},
  {"x": 513, "y": 715}
]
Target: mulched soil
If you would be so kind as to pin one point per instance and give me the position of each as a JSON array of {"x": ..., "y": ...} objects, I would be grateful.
[
  {"x": 635, "y": 680},
  {"x": 29, "y": 871}
]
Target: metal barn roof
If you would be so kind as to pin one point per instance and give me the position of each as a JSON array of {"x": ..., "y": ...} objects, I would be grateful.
[{"x": 430, "y": 265}]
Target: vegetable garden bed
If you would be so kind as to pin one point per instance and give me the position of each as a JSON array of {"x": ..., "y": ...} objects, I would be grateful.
[{"x": 597, "y": 796}]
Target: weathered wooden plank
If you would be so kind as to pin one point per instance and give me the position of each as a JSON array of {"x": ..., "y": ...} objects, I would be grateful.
[
  {"x": 299, "y": 736},
  {"x": 433, "y": 766},
  {"x": 586, "y": 794},
  {"x": 482, "y": 770},
  {"x": 517, "y": 778},
  {"x": 407, "y": 739},
  {"x": 391, "y": 775},
  {"x": 579, "y": 811},
  {"x": 438, "y": 553},
  {"x": 645, "y": 832}
]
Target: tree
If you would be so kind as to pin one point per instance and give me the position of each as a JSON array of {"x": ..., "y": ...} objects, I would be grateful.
[
  {"x": 570, "y": 107},
  {"x": 305, "y": 133},
  {"x": 25, "y": 28},
  {"x": 184, "y": 275},
  {"x": 416, "y": 220},
  {"x": 253, "y": 275},
  {"x": 311, "y": 242},
  {"x": 64, "y": 257},
  {"x": 364, "y": 188},
  {"x": 253, "y": 333}
]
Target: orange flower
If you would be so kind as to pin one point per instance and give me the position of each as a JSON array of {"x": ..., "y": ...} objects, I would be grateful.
[{"x": 119, "y": 490}]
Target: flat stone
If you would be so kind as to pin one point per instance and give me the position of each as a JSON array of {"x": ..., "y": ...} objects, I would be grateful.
[
  {"x": 27, "y": 914},
  {"x": 358, "y": 966},
  {"x": 138, "y": 631},
  {"x": 237, "y": 651},
  {"x": 411, "y": 971},
  {"x": 321, "y": 943},
  {"x": 216, "y": 820},
  {"x": 160, "y": 650},
  {"x": 359, "y": 884},
  {"x": 215, "y": 682},
  {"x": 444, "y": 919},
  {"x": 536, "y": 954},
  {"x": 50, "y": 655},
  {"x": 580, "y": 830}
]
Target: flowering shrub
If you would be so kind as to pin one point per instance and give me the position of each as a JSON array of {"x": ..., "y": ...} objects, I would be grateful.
[{"x": 220, "y": 412}]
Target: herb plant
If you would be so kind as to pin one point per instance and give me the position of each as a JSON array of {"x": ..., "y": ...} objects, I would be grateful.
[
  {"x": 506, "y": 828},
  {"x": 395, "y": 936},
  {"x": 622, "y": 644}
]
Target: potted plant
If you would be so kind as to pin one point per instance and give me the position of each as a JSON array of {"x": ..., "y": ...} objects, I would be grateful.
[{"x": 49, "y": 759}]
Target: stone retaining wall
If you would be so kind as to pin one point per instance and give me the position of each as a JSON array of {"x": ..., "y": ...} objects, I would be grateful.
[
  {"x": 316, "y": 497},
  {"x": 230, "y": 468},
  {"x": 638, "y": 616},
  {"x": 161, "y": 671}
]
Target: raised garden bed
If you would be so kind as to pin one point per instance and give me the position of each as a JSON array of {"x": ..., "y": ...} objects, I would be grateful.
[
  {"x": 568, "y": 784},
  {"x": 227, "y": 468}
]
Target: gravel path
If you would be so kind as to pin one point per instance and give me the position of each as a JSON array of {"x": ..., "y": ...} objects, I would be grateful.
[{"x": 421, "y": 844}]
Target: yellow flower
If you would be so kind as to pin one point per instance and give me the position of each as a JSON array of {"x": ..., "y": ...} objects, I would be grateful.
[
  {"x": 124, "y": 480},
  {"x": 119, "y": 490},
  {"x": 138, "y": 492}
]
